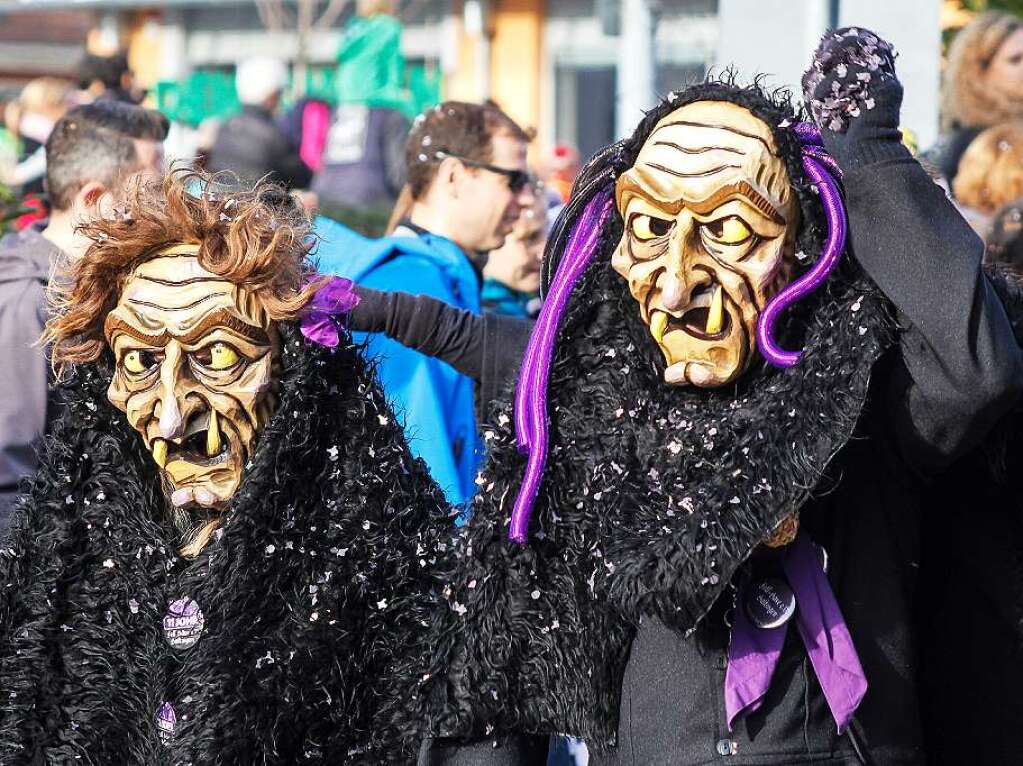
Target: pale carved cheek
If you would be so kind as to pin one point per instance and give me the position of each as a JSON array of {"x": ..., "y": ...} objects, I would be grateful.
[
  {"x": 139, "y": 408},
  {"x": 255, "y": 384},
  {"x": 247, "y": 403},
  {"x": 620, "y": 260},
  {"x": 770, "y": 275},
  {"x": 117, "y": 394}
]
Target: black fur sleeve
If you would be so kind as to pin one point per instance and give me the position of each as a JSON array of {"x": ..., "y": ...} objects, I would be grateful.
[{"x": 424, "y": 324}]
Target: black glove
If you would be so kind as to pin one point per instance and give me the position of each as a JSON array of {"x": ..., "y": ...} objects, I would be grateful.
[
  {"x": 370, "y": 315},
  {"x": 854, "y": 96}
]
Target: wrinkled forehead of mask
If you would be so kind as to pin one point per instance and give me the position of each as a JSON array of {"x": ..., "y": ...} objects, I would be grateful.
[{"x": 705, "y": 146}]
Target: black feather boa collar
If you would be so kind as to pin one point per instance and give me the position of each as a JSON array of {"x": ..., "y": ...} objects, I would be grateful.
[
  {"x": 320, "y": 579},
  {"x": 653, "y": 497}
]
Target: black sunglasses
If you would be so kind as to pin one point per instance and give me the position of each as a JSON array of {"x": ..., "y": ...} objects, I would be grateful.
[{"x": 517, "y": 179}]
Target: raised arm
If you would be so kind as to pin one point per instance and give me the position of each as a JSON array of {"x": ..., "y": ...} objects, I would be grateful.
[
  {"x": 960, "y": 367},
  {"x": 487, "y": 348}
]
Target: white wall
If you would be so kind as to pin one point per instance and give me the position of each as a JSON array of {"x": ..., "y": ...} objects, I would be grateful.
[
  {"x": 777, "y": 37},
  {"x": 913, "y": 27}
]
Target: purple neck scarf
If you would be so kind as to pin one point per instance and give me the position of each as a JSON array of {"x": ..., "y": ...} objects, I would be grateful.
[{"x": 754, "y": 652}]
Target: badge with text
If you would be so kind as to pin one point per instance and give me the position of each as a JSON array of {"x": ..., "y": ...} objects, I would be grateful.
[
  {"x": 769, "y": 602},
  {"x": 166, "y": 721},
  {"x": 183, "y": 623}
]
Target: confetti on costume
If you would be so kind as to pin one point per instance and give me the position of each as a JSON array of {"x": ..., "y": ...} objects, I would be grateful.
[
  {"x": 688, "y": 492},
  {"x": 228, "y": 544}
]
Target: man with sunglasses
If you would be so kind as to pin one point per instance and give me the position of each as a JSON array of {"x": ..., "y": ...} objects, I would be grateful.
[{"x": 468, "y": 184}]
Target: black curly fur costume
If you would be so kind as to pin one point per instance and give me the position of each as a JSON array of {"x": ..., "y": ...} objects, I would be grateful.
[
  {"x": 322, "y": 574},
  {"x": 653, "y": 495}
]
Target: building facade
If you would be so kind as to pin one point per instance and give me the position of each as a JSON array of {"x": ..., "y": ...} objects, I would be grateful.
[{"x": 579, "y": 71}]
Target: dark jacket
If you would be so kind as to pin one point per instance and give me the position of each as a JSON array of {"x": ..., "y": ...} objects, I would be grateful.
[
  {"x": 950, "y": 150},
  {"x": 252, "y": 145},
  {"x": 970, "y": 610},
  {"x": 26, "y": 259},
  {"x": 364, "y": 158},
  {"x": 589, "y": 628}
]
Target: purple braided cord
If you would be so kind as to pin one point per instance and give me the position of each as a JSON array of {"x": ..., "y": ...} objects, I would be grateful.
[
  {"x": 820, "y": 155},
  {"x": 524, "y": 414},
  {"x": 808, "y": 133},
  {"x": 821, "y": 169},
  {"x": 531, "y": 391}
]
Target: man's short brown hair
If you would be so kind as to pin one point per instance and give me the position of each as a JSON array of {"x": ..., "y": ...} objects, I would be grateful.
[
  {"x": 454, "y": 127},
  {"x": 95, "y": 142}
]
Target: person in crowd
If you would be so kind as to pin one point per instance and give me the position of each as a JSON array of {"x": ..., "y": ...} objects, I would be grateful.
[
  {"x": 982, "y": 86},
  {"x": 32, "y": 116},
  {"x": 251, "y": 144},
  {"x": 363, "y": 164},
  {"x": 990, "y": 174},
  {"x": 92, "y": 152},
  {"x": 306, "y": 125},
  {"x": 227, "y": 543},
  {"x": 107, "y": 78},
  {"x": 723, "y": 417},
  {"x": 511, "y": 276},
  {"x": 563, "y": 168},
  {"x": 468, "y": 184},
  {"x": 1004, "y": 242}
]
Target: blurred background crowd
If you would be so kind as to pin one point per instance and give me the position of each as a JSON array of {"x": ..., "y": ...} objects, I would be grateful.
[
  {"x": 322, "y": 93},
  {"x": 458, "y": 125}
]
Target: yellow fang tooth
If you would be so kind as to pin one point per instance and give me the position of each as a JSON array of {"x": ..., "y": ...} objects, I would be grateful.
[
  {"x": 658, "y": 323},
  {"x": 160, "y": 452},
  {"x": 716, "y": 315},
  {"x": 213, "y": 435}
]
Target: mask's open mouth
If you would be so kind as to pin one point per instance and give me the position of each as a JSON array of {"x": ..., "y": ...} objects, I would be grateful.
[
  {"x": 205, "y": 444},
  {"x": 705, "y": 318}
]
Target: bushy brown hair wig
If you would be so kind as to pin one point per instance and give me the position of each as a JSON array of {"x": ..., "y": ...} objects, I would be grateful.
[{"x": 253, "y": 236}]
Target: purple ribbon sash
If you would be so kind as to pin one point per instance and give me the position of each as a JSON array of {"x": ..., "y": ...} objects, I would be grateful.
[{"x": 754, "y": 652}]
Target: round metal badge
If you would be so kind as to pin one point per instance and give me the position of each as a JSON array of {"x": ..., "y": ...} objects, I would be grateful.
[
  {"x": 183, "y": 624},
  {"x": 769, "y": 603}
]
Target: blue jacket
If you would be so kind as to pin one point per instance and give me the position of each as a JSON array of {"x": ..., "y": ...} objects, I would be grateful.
[{"x": 435, "y": 402}]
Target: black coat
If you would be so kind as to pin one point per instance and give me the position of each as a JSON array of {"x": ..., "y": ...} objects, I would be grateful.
[
  {"x": 970, "y": 606},
  {"x": 610, "y": 623},
  {"x": 950, "y": 150},
  {"x": 312, "y": 592}
]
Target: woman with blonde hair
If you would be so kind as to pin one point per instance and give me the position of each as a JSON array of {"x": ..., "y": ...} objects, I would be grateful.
[{"x": 983, "y": 83}]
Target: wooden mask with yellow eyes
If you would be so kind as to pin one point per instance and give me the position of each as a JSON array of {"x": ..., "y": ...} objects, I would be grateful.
[
  {"x": 710, "y": 228},
  {"x": 196, "y": 360}
]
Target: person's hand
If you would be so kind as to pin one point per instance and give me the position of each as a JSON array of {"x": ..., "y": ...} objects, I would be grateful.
[{"x": 854, "y": 96}]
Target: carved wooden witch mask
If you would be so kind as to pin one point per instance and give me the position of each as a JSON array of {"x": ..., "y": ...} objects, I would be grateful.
[
  {"x": 710, "y": 227},
  {"x": 196, "y": 359}
]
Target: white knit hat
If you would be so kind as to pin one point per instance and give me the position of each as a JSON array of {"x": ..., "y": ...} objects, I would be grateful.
[{"x": 257, "y": 79}]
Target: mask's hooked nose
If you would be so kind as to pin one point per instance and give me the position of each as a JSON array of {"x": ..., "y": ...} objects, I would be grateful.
[
  {"x": 674, "y": 285},
  {"x": 171, "y": 423}
]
